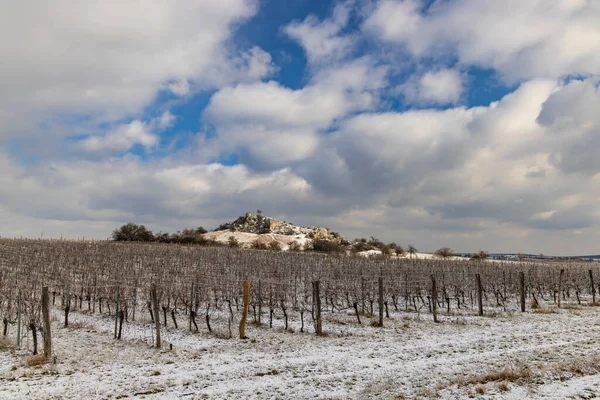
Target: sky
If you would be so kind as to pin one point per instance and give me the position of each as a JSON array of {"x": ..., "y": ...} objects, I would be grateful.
[{"x": 473, "y": 124}]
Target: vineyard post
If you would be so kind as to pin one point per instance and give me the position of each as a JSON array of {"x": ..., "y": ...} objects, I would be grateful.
[
  {"x": 191, "y": 306},
  {"x": 259, "y": 300},
  {"x": 504, "y": 283},
  {"x": 67, "y": 306},
  {"x": 95, "y": 294},
  {"x": 116, "y": 312},
  {"x": 593, "y": 289},
  {"x": 522, "y": 290},
  {"x": 156, "y": 314},
  {"x": 245, "y": 314},
  {"x": 479, "y": 294},
  {"x": 134, "y": 300},
  {"x": 560, "y": 286},
  {"x": 434, "y": 299},
  {"x": 380, "y": 301},
  {"x": 406, "y": 291},
  {"x": 362, "y": 283},
  {"x": 317, "y": 303},
  {"x": 46, "y": 318},
  {"x": 19, "y": 320}
]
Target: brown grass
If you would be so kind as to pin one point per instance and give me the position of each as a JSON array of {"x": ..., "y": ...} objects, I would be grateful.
[
  {"x": 527, "y": 375},
  {"x": 37, "y": 360},
  {"x": 6, "y": 343},
  {"x": 534, "y": 304},
  {"x": 545, "y": 311},
  {"x": 505, "y": 375},
  {"x": 503, "y": 387}
]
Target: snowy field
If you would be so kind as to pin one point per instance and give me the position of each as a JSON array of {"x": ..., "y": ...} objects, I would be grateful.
[{"x": 550, "y": 355}]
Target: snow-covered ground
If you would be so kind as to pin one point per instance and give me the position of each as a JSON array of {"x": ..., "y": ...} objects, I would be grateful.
[{"x": 550, "y": 355}]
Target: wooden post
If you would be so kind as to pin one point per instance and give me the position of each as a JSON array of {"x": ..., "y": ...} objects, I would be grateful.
[
  {"x": 134, "y": 301},
  {"x": 560, "y": 286},
  {"x": 522, "y": 290},
  {"x": 116, "y": 313},
  {"x": 19, "y": 320},
  {"x": 380, "y": 301},
  {"x": 156, "y": 314},
  {"x": 504, "y": 284},
  {"x": 317, "y": 303},
  {"x": 406, "y": 291},
  {"x": 479, "y": 294},
  {"x": 259, "y": 300},
  {"x": 191, "y": 306},
  {"x": 67, "y": 306},
  {"x": 362, "y": 283},
  {"x": 46, "y": 319},
  {"x": 593, "y": 289},
  {"x": 434, "y": 298},
  {"x": 245, "y": 314}
]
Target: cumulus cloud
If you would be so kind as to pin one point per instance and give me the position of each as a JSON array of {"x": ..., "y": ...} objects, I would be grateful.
[
  {"x": 122, "y": 138},
  {"x": 272, "y": 126},
  {"x": 434, "y": 87},
  {"x": 107, "y": 60},
  {"x": 571, "y": 118},
  {"x": 518, "y": 174},
  {"x": 529, "y": 39},
  {"x": 324, "y": 41}
]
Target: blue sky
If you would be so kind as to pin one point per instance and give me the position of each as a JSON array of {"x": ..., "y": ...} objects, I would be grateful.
[{"x": 463, "y": 123}]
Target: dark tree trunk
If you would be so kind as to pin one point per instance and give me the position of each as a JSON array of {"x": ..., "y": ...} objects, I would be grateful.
[
  {"x": 121, "y": 319},
  {"x": 173, "y": 318},
  {"x": 34, "y": 334}
]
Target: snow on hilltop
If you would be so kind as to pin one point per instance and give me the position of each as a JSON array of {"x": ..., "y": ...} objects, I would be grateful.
[
  {"x": 257, "y": 228},
  {"x": 261, "y": 224}
]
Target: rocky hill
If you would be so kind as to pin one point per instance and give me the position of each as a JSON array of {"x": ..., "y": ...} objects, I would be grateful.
[
  {"x": 259, "y": 230},
  {"x": 261, "y": 224}
]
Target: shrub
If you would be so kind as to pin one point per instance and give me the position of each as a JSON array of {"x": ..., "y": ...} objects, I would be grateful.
[
  {"x": 397, "y": 248},
  {"x": 326, "y": 246},
  {"x": 233, "y": 242},
  {"x": 275, "y": 246},
  {"x": 258, "y": 245},
  {"x": 480, "y": 255},
  {"x": 361, "y": 246},
  {"x": 295, "y": 246},
  {"x": 131, "y": 232},
  {"x": 444, "y": 252}
]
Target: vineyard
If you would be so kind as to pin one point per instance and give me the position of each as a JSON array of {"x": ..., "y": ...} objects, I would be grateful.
[{"x": 140, "y": 291}]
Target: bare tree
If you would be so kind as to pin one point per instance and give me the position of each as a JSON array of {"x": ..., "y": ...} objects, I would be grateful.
[{"x": 444, "y": 252}]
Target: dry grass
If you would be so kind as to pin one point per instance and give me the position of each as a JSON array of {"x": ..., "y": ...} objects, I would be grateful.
[
  {"x": 534, "y": 304},
  {"x": 545, "y": 311},
  {"x": 6, "y": 343},
  {"x": 36, "y": 360},
  {"x": 528, "y": 375},
  {"x": 569, "y": 306},
  {"x": 503, "y": 387},
  {"x": 505, "y": 375}
]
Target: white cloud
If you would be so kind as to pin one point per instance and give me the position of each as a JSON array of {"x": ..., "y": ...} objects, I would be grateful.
[
  {"x": 529, "y": 39},
  {"x": 272, "y": 126},
  {"x": 444, "y": 86},
  {"x": 323, "y": 41},
  {"x": 107, "y": 60},
  {"x": 166, "y": 120},
  {"x": 519, "y": 174},
  {"x": 180, "y": 88},
  {"x": 122, "y": 138},
  {"x": 464, "y": 177}
]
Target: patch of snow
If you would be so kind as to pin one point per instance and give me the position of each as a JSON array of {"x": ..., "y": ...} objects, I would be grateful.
[{"x": 409, "y": 357}]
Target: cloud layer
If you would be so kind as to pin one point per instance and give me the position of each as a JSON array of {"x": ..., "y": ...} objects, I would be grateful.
[{"x": 380, "y": 139}]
